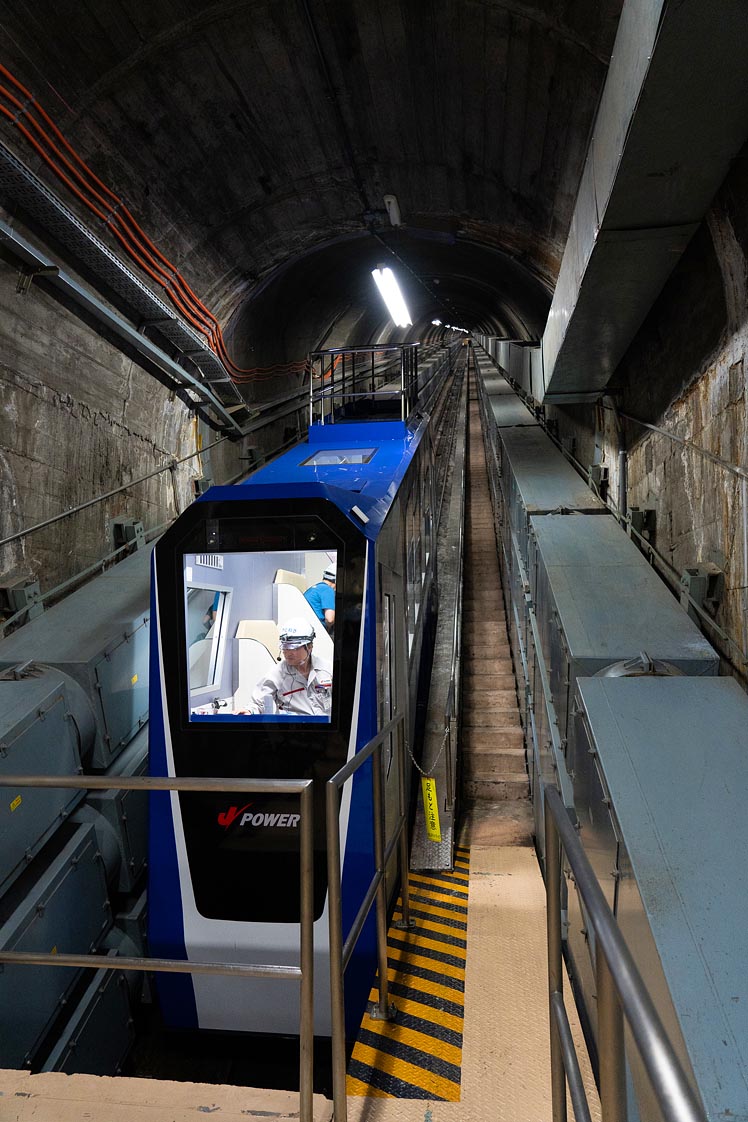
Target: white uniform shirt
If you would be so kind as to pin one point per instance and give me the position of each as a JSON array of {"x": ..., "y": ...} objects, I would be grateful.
[{"x": 290, "y": 692}]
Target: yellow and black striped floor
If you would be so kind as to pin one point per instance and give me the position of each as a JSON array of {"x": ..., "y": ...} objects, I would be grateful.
[{"x": 418, "y": 1055}]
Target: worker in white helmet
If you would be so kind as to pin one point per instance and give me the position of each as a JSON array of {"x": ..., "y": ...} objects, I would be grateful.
[{"x": 301, "y": 683}]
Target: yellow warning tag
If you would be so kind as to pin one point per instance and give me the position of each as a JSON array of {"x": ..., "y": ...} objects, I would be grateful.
[
  {"x": 16, "y": 803},
  {"x": 133, "y": 680},
  {"x": 431, "y": 808}
]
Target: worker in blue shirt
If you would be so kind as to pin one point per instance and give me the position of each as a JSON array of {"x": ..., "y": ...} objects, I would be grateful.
[{"x": 321, "y": 599}]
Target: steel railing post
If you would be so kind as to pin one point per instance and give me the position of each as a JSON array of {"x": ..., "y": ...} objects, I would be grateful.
[
  {"x": 306, "y": 903},
  {"x": 311, "y": 388},
  {"x": 555, "y": 964},
  {"x": 403, "y": 410},
  {"x": 304, "y": 973},
  {"x": 415, "y": 373},
  {"x": 335, "y": 912},
  {"x": 402, "y": 804},
  {"x": 610, "y": 1044},
  {"x": 621, "y": 990},
  {"x": 378, "y": 801},
  {"x": 450, "y": 733}
]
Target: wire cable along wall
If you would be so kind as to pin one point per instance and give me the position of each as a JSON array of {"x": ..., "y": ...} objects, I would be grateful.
[{"x": 23, "y": 110}]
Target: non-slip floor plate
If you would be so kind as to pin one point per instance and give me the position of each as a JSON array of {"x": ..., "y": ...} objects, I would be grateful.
[
  {"x": 505, "y": 1064},
  {"x": 418, "y": 1055}
]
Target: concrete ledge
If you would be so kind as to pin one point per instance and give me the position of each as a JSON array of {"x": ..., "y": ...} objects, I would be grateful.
[{"x": 55, "y": 1097}]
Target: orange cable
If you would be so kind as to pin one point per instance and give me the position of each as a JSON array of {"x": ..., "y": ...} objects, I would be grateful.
[
  {"x": 194, "y": 310},
  {"x": 123, "y": 238}
]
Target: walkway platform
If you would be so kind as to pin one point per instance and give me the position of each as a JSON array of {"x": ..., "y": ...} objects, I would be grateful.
[{"x": 503, "y": 1064}]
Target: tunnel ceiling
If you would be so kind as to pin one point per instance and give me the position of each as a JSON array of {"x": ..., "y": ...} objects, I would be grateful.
[{"x": 255, "y": 141}]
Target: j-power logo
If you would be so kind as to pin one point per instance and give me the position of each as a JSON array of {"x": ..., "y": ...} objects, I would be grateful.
[{"x": 259, "y": 818}]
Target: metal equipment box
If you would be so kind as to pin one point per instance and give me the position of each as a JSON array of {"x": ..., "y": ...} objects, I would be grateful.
[
  {"x": 496, "y": 385},
  {"x": 99, "y": 1033},
  {"x": 120, "y": 818},
  {"x": 65, "y": 911},
  {"x": 509, "y": 411},
  {"x": 514, "y": 586},
  {"x": 662, "y": 819},
  {"x": 492, "y": 380},
  {"x": 37, "y": 737},
  {"x": 517, "y": 603},
  {"x": 128, "y": 937},
  {"x": 597, "y": 602},
  {"x": 131, "y": 923},
  {"x": 99, "y": 636},
  {"x": 537, "y": 479}
]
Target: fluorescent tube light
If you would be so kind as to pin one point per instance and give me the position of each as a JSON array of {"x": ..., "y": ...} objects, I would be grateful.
[
  {"x": 392, "y": 296},
  {"x": 436, "y": 322}
]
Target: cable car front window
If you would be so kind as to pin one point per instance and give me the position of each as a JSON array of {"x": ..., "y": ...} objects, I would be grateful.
[{"x": 260, "y": 646}]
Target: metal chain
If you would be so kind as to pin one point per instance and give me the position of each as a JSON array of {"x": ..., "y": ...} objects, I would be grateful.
[{"x": 428, "y": 774}]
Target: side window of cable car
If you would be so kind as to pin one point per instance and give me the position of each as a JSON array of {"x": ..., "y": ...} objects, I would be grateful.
[{"x": 205, "y": 615}]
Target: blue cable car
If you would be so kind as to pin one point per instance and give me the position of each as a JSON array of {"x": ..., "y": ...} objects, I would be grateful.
[{"x": 228, "y": 576}]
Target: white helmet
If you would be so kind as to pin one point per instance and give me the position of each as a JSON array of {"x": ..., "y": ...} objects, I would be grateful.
[
  {"x": 329, "y": 574},
  {"x": 296, "y": 632}
]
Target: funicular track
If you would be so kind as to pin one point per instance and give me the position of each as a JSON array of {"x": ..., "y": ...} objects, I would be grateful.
[
  {"x": 419, "y": 1053},
  {"x": 495, "y": 788}
]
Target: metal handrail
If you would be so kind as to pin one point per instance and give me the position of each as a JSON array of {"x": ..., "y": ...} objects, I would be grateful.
[
  {"x": 737, "y": 657},
  {"x": 443, "y": 365},
  {"x": 556, "y": 742},
  {"x": 451, "y": 708},
  {"x": 666, "y": 571},
  {"x": 406, "y": 374},
  {"x": 121, "y": 551},
  {"x": 340, "y": 953},
  {"x": 171, "y": 466},
  {"x": 304, "y": 972},
  {"x": 621, "y": 993},
  {"x": 118, "y": 554}
]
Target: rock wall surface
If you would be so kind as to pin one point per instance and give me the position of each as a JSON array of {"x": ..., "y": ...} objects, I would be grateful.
[
  {"x": 77, "y": 419},
  {"x": 685, "y": 373}
]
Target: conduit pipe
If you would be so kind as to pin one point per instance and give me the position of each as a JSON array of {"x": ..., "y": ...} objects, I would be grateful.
[
  {"x": 57, "y": 278},
  {"x": 86, "y": 186},
  {"x": 735, "y": 469}
]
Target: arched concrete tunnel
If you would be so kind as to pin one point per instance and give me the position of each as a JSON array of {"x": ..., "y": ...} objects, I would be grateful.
[{"x": 570, "y": 173}]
